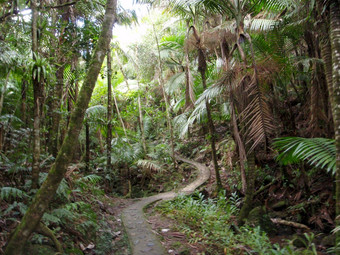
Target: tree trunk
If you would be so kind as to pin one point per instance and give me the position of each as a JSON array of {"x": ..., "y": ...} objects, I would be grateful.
[
  {"x": 120, "y": 116},
  {"x": 57, "y": 171},
  {"x": 251, "y": 176},
  {"x": 56, "y": 115},
  {"x": 241, "y": 149},
  {"x": 189, "y": 92},
  {"x": 4, "y": 91},
  {"x": 212, "y": 132},
  {"x": 23, "y": 101},
  {"x": 109, "y": 112},
  {"x": 87, "y": 147},
  {"x": 335, "y": 44},
  {"x": 141, "y": 122},
  {"x": 37, "y": 100}
]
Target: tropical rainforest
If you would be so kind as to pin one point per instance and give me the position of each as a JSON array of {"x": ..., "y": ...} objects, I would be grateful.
[{"x": 216, "y": 131}]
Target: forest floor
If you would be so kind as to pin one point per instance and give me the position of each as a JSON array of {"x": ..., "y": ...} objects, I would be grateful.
[{"x": 143, "y": 239}]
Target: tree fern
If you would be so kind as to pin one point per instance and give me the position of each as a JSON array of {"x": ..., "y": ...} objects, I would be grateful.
[{"x": 319, "y": 152}]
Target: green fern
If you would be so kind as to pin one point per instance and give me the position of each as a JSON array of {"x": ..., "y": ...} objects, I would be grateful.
[
  {"x": 50, "y": 218},
  {"x": 92, "y": 178},
  {"x": 319, "y": 152},
  {"x": 10, "y": 192},
  {"x": 64, "y": 214},
  {"x": 16, "y": 206}
]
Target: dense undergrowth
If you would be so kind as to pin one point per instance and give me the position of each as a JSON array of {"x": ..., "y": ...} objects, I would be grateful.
[
  {"x": 212, "y": 223},
  {"x": 79, "y": 216}
]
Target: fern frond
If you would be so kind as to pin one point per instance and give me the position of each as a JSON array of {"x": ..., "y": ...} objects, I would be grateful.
[
  {"x": 49, "y": 218},
  {"x": 20, "y": 206},
  {"x": 10, "y": 192},
  {"x": 319, "y": 152},
  {"x": 92, "y": 178}
]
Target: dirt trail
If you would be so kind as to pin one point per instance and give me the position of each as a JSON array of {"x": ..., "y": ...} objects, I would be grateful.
[{"x": 142, "y": 239}]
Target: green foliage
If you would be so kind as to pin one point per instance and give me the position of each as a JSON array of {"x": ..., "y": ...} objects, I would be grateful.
[
  {"x": 8, "y": 193},
  {"x": 211, "y": 222},
  {"x": 319, "y": 152}
]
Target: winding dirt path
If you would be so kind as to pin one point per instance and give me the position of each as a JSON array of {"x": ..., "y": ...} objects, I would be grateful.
[{"x": 142, "y": 240}]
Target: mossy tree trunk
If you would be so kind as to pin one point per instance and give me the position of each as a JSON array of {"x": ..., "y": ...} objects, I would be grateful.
[
  {"x": 37, "y": 93},
  {"x": 47, "y": 191}
]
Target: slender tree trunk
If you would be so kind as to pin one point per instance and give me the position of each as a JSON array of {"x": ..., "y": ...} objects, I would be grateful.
[
  {"x": 241, "y": 149},
  {"x": 56, "y": 115},
  {"x": 87, "y": 147},
  {"x": 141, "y": 122},
  {"x": 248, "y": 200},
  {"x": 23, "y": 101},
  {"x": 37, "y": 97},
  {"x": 167, "y": 108},
  {"x": 120, "y": 116},
  {"x": 189, "y": 92},
  {"x": 4, "y": 91},
  {"x": 212, "y": 132},
  {"x": 335, "y": 44},
  {"x": 109, "y": 111},
  {"x": 48, "y": 189}
]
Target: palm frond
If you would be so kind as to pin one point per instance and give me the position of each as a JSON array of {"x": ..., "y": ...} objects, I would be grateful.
[
  {"x": 257, "y": 116},
  {"x": 96, "y": 112},
  {"x": 152, "y": 165},
  {"x": 175, "y": 83},
  {"x": 319, "y": 152},
  {"x": 210, "y": 93},
  {"x": 180, "y": 123},
  {"x": 263, "y": 24}
]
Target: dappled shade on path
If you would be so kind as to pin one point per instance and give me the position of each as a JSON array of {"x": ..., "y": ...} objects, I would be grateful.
[{"x": 142, "y": 239}]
